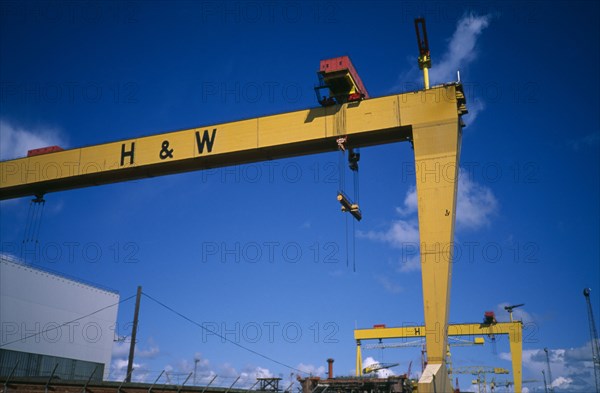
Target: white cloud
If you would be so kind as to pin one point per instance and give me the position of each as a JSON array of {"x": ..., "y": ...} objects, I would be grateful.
[
  {"x": 461, "y": 49},
  {"x": 519, "y": 314},
  {"x": 388, "y": 284},
  {"x": 120, "y": 349},
  {"x": 120, "y": 354},
  {"x": 220, "y": 375},
  {"x": 475, "y": 106},
  {"x": 118, "y": 371},
  {"x": 409, "y": 264},
  {"x": 247, "y": 376},
  {"x": 306, "y": 225},
  {"x": 589, "y": 140},
  {"x": 311, "y": 369},
  {"x": 410, "y": 203},
  {"x": 561, "y": 382},
  {"x": 458, "y": 55},
  {"x": 16, "y": 141},
  {"x": 150, "y": 352},
  {"x": 476, "y": 205},
  {"x": 571, "y": 368},
  {"x": 382, "y": 373},
  {"x": 400, "y": 233}
]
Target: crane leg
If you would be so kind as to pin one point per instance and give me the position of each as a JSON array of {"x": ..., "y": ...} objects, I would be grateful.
[
  {"x": 358, "y": 360},
  {"x": 437, "y": 149},
  {"x": 516, "y": 350}
]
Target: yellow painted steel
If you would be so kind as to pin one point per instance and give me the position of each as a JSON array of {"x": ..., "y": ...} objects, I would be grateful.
[
  {"x": 426, "y": 77},
  {"x": 430, "y": 117},
  {"x": 514, "y": 330},
  {"x": 350, "y": 86},
  {"x": 437, "y": 149},
  {"x": 369, "y": 122},
  {"x": 359, "y": 368}
]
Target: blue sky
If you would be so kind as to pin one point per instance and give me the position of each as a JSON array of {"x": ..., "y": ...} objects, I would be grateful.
[{"x": 259, "y": 252}]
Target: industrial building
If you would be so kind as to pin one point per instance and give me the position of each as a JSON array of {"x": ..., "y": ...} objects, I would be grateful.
[{"x": 52, "y": 324}]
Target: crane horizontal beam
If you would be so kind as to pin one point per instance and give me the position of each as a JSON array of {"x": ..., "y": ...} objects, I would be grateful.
[
  {"x": 475, "y": 370},
  {"x": 369, "y": 122},
  {"x": 462, "y": 329}
]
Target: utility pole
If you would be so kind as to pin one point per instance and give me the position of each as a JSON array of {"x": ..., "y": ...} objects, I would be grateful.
[
  {"x": 594, "y": 339},
  {"x": 133, "y": 334},
  {"x": 545, "y": 384},
  {"x": 550, "y": 389},
  {"x": 196, "y": 360}
]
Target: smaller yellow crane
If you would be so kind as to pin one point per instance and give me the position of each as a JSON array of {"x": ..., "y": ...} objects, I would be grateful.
[{"x": 481, "y": 373}]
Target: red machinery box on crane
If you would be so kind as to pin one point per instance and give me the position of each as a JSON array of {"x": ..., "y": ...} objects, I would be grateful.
[{"x": 340, "y": 77}]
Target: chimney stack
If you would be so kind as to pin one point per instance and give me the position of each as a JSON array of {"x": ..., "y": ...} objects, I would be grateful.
[{"x": 330, "y": 363}]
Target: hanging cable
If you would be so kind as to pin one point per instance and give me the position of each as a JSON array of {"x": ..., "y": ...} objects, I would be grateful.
[
  {"x": 356, "y": 178},
  {"x": 341, "y": 186},
  {"x": 341, "y": 164},
  {"x": 349, "y": 206},
  {"x": 33, "y": 223},
  {"x": 353, "y": 158},
  {"x": 353, "y": 247},
  {"x": 41, "y": 202},
  {"x": 347, "y": 254},
  {"x": 28, "y": 222}
]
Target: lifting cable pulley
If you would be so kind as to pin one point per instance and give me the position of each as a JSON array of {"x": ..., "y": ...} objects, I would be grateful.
[
  {"x": 349, "y": 206},
  {"x": 34, "y": 222}
]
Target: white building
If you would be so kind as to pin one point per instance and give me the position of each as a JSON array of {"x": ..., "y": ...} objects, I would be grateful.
[{"x": 47, "y": 319}]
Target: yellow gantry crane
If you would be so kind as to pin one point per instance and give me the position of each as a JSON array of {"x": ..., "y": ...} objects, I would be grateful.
[
  {"x": 514, "y": 331},
  {"x": 430, "y": 119},
  {"x": 507, "y": 384}
]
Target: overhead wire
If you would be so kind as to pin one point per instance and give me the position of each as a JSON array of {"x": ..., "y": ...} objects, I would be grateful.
[{"x": 221, "y": 336}]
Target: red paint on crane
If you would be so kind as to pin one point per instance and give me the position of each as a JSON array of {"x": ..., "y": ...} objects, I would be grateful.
[
  {"x": 44, "y": 150},
  {"x": 343, "y": 63}
]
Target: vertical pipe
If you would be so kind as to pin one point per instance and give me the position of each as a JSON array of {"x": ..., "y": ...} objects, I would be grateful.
[
  {"x": 133, "y": 334},
  {"x": 330, "y": 364}
]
